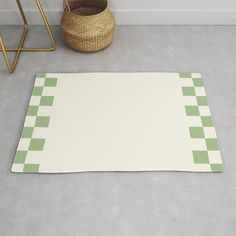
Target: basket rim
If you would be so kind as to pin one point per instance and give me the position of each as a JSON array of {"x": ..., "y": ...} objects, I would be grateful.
[{"x": 93, "y": 15}]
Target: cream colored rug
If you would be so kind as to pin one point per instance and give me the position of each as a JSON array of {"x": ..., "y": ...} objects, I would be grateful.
[{"x": 118, "y": 122}]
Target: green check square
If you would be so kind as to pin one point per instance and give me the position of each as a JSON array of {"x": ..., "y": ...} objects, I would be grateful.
[
  {"x": 212, "y": 144},
  {"x": 36, "y": 144},
  {"x": 188, "y": 91},
  {"x": 27, "y": 132},
  {"x": 192, "y": 111},
  {"x": 42, "y": 121},
  {"x": 202, "y": 101},
  {"x": 200, "y": 157},
  {"x": 20, "y": 157},
  {"x": 37, "y": 91},
  {"x": 197, "y": 82},
  {"x": 50, "y": 82},
  {"x": 207, "y": 121},
  {"x": 31, "y": 168},
  {"x": 46, "y": 101},
  {"x": 217, "y": 167},
  {"x": 41, "y": 75},
  {"x": 196, "y": 132},
  {"x": 185, "y": 75},
  {"x": 32, "y": 111}
]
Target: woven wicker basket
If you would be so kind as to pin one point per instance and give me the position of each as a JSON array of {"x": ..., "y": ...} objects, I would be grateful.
[{"x": 88, "y": 25}]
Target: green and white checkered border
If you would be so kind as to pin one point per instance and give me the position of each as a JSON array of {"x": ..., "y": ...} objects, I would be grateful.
[
  {"x": 201, "y": 128},
  {"x": 33, "y": 137}
]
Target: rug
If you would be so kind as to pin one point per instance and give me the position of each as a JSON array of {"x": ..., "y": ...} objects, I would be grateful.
[{"x": 118, "y": 122}]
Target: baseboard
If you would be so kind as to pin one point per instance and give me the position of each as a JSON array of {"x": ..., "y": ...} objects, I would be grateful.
[{"x": 136, "y": 17}]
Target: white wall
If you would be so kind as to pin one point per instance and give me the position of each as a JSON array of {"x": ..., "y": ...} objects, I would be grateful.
[{"x": 137, "y": 11}]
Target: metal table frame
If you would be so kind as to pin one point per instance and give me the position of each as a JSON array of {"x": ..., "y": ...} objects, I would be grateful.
[{"x": 11, "y": 67}]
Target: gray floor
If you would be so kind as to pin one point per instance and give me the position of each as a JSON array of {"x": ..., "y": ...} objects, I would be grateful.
[{"x": 123, "y": 204}]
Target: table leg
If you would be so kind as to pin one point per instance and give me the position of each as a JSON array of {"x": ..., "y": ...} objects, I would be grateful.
[{"x": 20, "y": 47}]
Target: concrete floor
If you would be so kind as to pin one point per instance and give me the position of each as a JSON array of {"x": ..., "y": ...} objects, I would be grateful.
[{"x": 123, "y": 204}]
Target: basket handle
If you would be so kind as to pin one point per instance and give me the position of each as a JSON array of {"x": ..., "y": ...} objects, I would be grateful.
[{"x": 67, "y": 6}]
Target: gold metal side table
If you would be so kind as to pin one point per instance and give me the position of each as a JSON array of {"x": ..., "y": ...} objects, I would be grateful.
[{"x": 11, "y": 67}]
